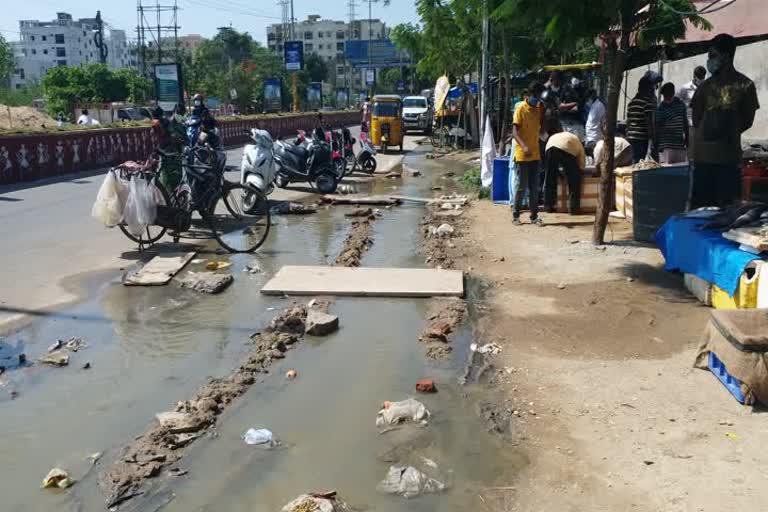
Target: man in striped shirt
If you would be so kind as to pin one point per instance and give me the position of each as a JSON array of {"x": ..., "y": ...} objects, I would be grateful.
[
  {"x": 671, "y": 127},
  {"x": 640, "y": 119}
]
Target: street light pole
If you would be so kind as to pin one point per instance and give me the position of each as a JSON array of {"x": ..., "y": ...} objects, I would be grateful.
[
  {"x": 485, "y": 69},
  {"x": 370, "y": 37}
]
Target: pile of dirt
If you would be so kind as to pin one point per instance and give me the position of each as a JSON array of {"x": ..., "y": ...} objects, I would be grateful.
[
  {"x": 165, "y": 442},
  {"x": 441, "y": 251},
  {"x": 443, "y": 318},
  {"x": 23, "y": 117},
  {"x": 359, "y": 240}
]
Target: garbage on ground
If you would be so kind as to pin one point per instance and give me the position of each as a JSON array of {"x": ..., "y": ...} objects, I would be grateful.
[
  {"x": 346, "y": 189},
  {"x": 94, "y": 457},
  {"x": 408, "y": 482},
  {"x": 317, "y": 502},
  {"x": 56, "y": 358},
  {"x": 141, "y": 206},
  {"x": 426, "y": 386},
  {"x": 289, "y": 208},
  {"x": 253, "y": 268},
  {"x": 489, "y": 348},
  {"x": 217, "y": 265},
  {"x": 258, "y": 436},
  {"x": 108, "y": 209},
  {"x": 320, "y": 324},
  {"x": 74, "y": 344},
  {"x": 57, "y": 478},
  {"x": 394, "y": 413},
  {"x": 291, "y": 374}
]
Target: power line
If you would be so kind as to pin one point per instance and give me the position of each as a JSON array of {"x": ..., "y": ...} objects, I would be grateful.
[{"x": 224, "y": 7}]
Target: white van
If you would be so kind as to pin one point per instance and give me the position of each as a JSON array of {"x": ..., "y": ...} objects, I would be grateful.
[{"x": 416, "y": 114}]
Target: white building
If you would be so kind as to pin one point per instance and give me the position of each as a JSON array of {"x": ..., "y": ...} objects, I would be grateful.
[
  {"x": 63, "y": 42},
  {"x": 326, "y": 38}
]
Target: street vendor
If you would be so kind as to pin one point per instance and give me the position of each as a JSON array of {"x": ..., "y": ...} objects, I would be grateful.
[
  {"x": 564, "y": 149},
  {"x": 171, "y": 139},
  {"x": 526, "y": 130},
  {"x": 723, "y": 107}
]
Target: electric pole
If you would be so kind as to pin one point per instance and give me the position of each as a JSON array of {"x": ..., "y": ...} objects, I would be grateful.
[
  {"x": 485, "y": 70},
  {"x": 98, "y": 39}
]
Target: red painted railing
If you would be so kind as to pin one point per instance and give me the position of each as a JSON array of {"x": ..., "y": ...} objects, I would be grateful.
[{"x": 35, "y": 156}]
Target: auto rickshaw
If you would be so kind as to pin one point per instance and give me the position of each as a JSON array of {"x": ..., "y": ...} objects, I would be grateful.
[{"x": 386, "y": 122}]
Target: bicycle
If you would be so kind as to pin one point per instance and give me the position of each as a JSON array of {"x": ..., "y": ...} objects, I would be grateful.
[{"x": 203, "y": 189}]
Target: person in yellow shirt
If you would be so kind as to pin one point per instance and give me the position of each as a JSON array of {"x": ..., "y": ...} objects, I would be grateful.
[
  {"x": 526, "y": 127},
  {"x": 566, "y": 150}
]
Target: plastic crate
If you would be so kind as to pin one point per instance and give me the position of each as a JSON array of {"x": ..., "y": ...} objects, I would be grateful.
[
  {"x": 500, "y": 185},
  {"x": 731, "y": 384}
]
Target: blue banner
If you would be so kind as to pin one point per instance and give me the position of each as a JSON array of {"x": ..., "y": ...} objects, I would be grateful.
[
  {"x": 400, "y": 85},
  {"x": 293, "y": 52},
  {"x": 273, "y": 95},
  {"x": 342, "y": 97},
  {"x": 381, "y": 53},
  {"x": 315, "y": 96}
]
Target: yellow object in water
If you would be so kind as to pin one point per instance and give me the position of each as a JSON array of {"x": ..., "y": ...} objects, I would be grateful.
[{"x": 217, "y": 265}]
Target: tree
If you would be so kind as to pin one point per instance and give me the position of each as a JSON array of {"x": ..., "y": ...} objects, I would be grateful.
[
  {"x": 316, "y": 67},
  {"x": 624, "y": 26},
  {"x": 7, "y": 62},
  {"x": 138, "y": 88}
]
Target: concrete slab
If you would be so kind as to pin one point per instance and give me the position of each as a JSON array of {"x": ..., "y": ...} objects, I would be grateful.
[
  {"x": 366, "y": 281},
  {"x": 159, "y": 270}
]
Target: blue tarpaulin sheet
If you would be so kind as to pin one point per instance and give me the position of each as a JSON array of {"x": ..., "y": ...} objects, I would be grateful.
[{"x": 704, "y": 253}]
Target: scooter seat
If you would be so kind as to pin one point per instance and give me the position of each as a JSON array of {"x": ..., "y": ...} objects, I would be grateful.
[{"x": 299, "y": 151}]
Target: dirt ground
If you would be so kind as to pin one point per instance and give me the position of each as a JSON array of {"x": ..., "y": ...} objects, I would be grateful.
[
  {"x": 596, "y": 363},
  {"x": 23, "y": 117}
]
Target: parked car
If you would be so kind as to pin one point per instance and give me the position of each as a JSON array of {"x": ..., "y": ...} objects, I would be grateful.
[
  {"x": 416, "y": 114},
  {"x": 129, "y": 114},
  {"x": 146, "y": 112}
]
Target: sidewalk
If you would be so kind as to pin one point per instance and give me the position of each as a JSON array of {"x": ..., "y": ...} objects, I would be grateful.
[{"x": 596, "y": 371}]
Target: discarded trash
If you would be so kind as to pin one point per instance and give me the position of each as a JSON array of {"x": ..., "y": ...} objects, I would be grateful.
[
  {"x": 57, "y": 358},
  {"x": 141, "y": 205},
  {"x": 731, "y": 435},
  {"x": 56, "y": 346},
  {"x": 561, "y": 286},
  {"x": 291, "y": 374},
  {"x": 320, "y": 324},
  {"x": 257, "y": 436},
  {"x": 317, "y": 502},
  {"x": 94, "y": 457},
  {"x": 346, "y": 189},
  {"x": 489, "y": 348},
  {"x": 394, "y": 413},
  {"x": 429, "y": 462},
  {"x": 426, "y": 386},
  {"x": 408, "y": 482},
  {"x": 75, "y": 344},
  {"x": 253, "y": 268},
  {"x": 217, "y": 265},
  {"x": 87, "y": 366},
  {"x": 445, "y": 230},
  {"x": 57, "y": 478},
  {"x": 415, "y": 173}
]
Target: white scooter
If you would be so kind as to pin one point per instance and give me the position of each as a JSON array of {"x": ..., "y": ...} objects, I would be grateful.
[{"x": 257, "y": 169}]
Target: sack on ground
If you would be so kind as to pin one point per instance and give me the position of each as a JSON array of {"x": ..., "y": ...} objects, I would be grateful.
[
  {"x": 108, "y": 208},
  {"x": 141, "y": 206}
]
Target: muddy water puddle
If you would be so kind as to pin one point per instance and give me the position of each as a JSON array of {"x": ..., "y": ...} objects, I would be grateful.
[{"x": 150, "y": 347}]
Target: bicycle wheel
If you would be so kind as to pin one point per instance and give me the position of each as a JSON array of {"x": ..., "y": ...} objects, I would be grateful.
[
  {"x": 152, "y": 233},
  {"x": 236, "y": 229}
]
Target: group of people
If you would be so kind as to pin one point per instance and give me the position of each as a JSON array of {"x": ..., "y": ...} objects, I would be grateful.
[{"x": 702, "y": 122}]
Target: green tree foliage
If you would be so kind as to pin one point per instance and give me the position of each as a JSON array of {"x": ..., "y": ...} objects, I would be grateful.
[
  {"x": 316, "y": 68},
  {"x": 138, "y": 88},
  {"x": 7, "y": 62}
]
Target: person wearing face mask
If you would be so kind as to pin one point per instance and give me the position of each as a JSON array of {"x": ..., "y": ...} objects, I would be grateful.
[
  {"x": 171, "y": 138},
  {"x": 527, "y": 125},
  {"x": 723, "y": 108}
]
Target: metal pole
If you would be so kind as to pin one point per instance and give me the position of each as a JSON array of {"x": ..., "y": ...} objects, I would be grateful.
[
  {"x": 293, "y": 26},
  {"x": 484, "y": 89},
  {"x": 370, "y": 38},
  {"x": 159, "y": 36}
]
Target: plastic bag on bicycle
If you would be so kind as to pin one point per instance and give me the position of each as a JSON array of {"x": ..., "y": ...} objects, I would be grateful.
[{"x": 141, "y": 206}]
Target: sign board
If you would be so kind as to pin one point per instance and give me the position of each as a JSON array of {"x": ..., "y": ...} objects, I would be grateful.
[
  {"x": 315, "y": 95},
  {"x": 293, "y": 52},
  {"x": 381, "y": 53},
  {"x": 168, "y": 86},
  {"x": 342, "y": 98},
  {"x": 370, "y": 76},
  {"x": 473, "y": 88},
  {"x": 273, "y": 95},
  {"x": 400, "y": 85},
  {"x": 213, "y": 102}
]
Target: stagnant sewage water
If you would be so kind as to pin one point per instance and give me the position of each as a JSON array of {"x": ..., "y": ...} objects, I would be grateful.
[{"x": 150, "y": 347}]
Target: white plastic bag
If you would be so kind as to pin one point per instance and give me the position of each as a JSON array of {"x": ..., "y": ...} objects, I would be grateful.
[
  {"x": 401, "y": 412},
  {"x": 487, "y": 155},
  {"x": 258, "y": 436},
  {"x": 108, "y": 209},
  {"x": 408, "y": 482},
  {"x": 141, "y": 206}
]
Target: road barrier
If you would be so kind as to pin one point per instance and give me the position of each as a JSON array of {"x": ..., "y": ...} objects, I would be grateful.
[{"x": 29, "y": 157}]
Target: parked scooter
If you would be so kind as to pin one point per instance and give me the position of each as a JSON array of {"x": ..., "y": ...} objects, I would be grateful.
[
  {"x": 257, "y": 168},
  {"x": 365, "y": 158},
  {"x": 334, "y": 139},
  {"x": 313, "y": 164}
]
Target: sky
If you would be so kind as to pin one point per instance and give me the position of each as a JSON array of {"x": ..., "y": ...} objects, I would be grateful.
[{"x": 199, "y": 16}]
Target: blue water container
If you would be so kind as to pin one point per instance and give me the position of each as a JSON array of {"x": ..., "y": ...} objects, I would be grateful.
[{"x": 500, "y": 185}]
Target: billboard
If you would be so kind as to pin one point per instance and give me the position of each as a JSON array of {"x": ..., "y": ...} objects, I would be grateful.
[
  {"x": 168, "y": 86},
  {"x": 370, "y": 76},
  {"x": 273, "y": 95},
  {"x": 342, "y": 98},
  {"x": 400, "y": 85},
  {"x": 293, "y": 52},
  {"x": 383, "y": 54},
  {"x": 315, "y": 95}
]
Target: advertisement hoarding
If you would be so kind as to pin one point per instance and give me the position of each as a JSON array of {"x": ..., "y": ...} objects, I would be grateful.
[
  {"x": 342, "y": 98},
  {"x": 273, "y": 95},
  {"x": 315, "y": 96},
  {"x": 168, "y": 86},
  {"x": 293, "y": 52},
  {"x": 381, "y": 53}
]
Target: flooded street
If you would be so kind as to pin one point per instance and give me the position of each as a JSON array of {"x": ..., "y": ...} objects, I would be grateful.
[{"x": 151, "y": 347}]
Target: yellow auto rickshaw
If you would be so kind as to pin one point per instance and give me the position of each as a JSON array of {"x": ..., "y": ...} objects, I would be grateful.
[{"x": 386, "y": 122}]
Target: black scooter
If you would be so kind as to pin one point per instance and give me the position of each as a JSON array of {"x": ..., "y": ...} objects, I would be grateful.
[{"x": 313, "y": 164}]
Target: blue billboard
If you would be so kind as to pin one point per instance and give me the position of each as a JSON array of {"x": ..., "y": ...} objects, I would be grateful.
[
  {"x": 381, "y": 53},
  {"x": 315, "y": 96},
  {"x": 273, "y": 95},
  {"x": 293, "y": 52}
]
